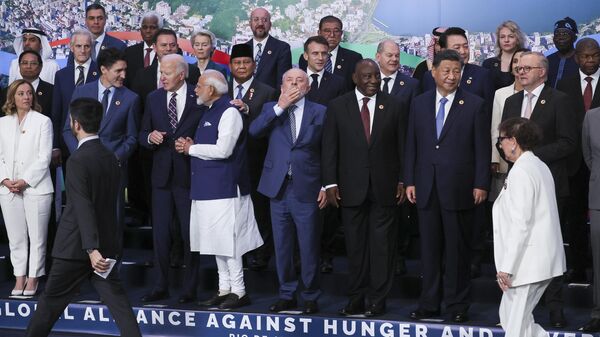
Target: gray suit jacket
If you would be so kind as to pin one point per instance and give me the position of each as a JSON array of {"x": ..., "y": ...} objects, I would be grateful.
[{"x": 590, "y": 140}]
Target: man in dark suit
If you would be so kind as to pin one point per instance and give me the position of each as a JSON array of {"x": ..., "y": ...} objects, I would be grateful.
[
  {"x": 581, "y": 88},
  {"x": 562, "y": 64},
  {"x": 341, "y": 61},
  {"x": 141, "y": 55},
  {"x": 552, "y": 111},
  {"x": 172, "y": 112},
  {"x": 446, "y": 174},
  {"x": 292, "y": 180},
  {"x": 88, "y": 232},
  {"x": 249, "y": 96},
  {"x": 363, "y": 139},
  {"x": 324, "y": 86},
  {"x": 272, "y": 56}
]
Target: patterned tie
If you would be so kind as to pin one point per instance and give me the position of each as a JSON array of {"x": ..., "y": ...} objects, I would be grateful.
[
  {"x": 328, "y": 65},
  {"x": 366, "y": 118},
  {"x": 147, "y": 57},
  {"x": 587, "y": 94},
  {"x": 81, "y": 77},
  {"x": 292, "y": 118},
  {"x": 258, "y": 56},
  {"x": 94, "y": 54},
  {"x": 439, "y": 118},
  {"x": 173, "y": 111},
  {"x": 314, "y": 86},
  {"x": 239, "y": 94},
  {"x": 386, "y": 87},
  {"x": 528, "y": 106},
  {"x": 105, "y": 96}
]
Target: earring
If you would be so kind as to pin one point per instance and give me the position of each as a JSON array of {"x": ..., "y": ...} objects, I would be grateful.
[{"x": 512, "y": 150}]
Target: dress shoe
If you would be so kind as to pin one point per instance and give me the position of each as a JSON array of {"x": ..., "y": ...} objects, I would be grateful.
[
  {"x": 459, "y": 317},
  {"x": 16, "y": 292},
  {"x": 234, "y": 301},
  {"x": 311, "y": 307},
  {"x": 375, "y": 310},
  {"x": 400, "y": 267},
  {"x": 326, "y": 266},
  {"x": 576, "y": 276},
  {"x": 155, "y": 295},
  {"x": 213, "y": 301},
  {"x": 423, "y": 314},
  {"x": 186, "y": 298},
  {"x": 592, "y": 326},
  {"x": 283, "y": 304},
  {"x": 31, "y": 292},
  {"x": 354, "y": 307},
  {"x": 557, "y": 319}
]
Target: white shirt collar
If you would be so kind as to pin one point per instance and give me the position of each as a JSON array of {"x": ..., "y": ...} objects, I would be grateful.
[
  {"x": 360, "y": 96},
  {"x": 246, "y": 85},
  {"x": 310, "y": 72},
  {"x": 100, "y": 38},
  {"x": 595, "y": 76},
  {"x": 181, "y": 91},
  {"x": 35, "y": 83},
  {"x": 537, "y": 91},
  {"x": 86, "y": 65},
  {"x": 88, "y": 138},
  {"x": 334, "y": 51}
]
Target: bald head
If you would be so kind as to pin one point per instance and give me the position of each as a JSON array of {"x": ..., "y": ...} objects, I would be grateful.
[
  {"x": 260, "y": 23},
  {"x": 587, "y": 55},
  {"x": 388, "y": 57}
]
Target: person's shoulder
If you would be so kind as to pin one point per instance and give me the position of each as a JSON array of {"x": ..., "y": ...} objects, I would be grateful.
[
  {"x": 492, "y": 62},
  {"x": 406, "y": 79},
  {"x": 349, "y": 53},
  {"x": 466, "y": 98},
  {"x": 278, "y": 43},
  {"x": 318, "y": 108},
  {"x": 341, "y": 100}
]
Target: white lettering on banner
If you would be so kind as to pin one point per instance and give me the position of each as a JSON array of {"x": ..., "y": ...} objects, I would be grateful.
[
  {"x": 569, "y": 334},
  {"x": 420, "y": 330},
  {"x": 172, "y": 320},
  {"x": 157, "y": 317},
  {"x": 67, "y": 316},
  {"x": 24, "y": 310},
  {"x": 368, "y": 328},
  {"x": 447, "y": 332},
  {"x": 272, "y": 323},
  {"x": 289, "y": 324},
  {"x": 483, "y": 332},
  {"x": 7, "y": 311},
  {"x": 404, "y": 330},
  {"x": 141, "y": 317},
  {"x": 228, "y": 321},
  {"x": 101, "y": 316},
  {"x": 305, "y": 323},
  {"x": 329, "y": 327},
  {"x": 88, "y": 314},
  {"x": 349, "y": 330},
  {"x": 386, "y": 329},
  {"x": 190, "y": 318},
  {"x": 212, "y": 321},
  {"x": 245, "y": 323},
  {"x": 465, "y": 332}
]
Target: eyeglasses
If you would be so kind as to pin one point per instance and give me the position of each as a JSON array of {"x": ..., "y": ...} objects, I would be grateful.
[
  {"x": 526, "y": 69},
  {"x": 501, "y": 138},
  {"x": 332, "y": 31},
  {"x": 257, "y": 20},
  {"x": 26, "y": 63}
]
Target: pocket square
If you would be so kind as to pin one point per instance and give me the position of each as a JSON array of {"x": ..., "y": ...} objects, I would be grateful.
[{"x": 207, "y": 124}]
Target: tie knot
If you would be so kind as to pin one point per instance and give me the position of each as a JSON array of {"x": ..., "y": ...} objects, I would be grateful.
[
  {"x": 240, "y": 87},
  {"x": 387, "y": 79},
  {"x": 148, "y": 49},
  {"x": 589, "y": 79},
  {"x": 292, "y": 108},
  {"x": 80, "y": 68},
  {"x": 366, "y": 100},
  {"x": 315, "y": 77},
  {"x": 174, "y": 95},
  {"x": 259, "y": 45},
  {"x": 443, "y": 100},
  {"x": 530, "y": 95},
  {"x": 106, "y": 91}
]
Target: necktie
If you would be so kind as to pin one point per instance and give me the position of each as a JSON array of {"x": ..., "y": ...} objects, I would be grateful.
[
  {"x": 239, "y": 94},
  {"x": 147, "y": 57},
  {"x": 173, "y": 111},
  {"x": 386, "y": 87},
  {"x": 258, "y": 56},
  {"x": 292, "y": 118},
  {"x": 528, "y": 106},
  {"x": 439, "y": 118},
  {"x": 328, "y": 65},
  {"x": 366, "y": 118},
  {"x": 587, "y": 94},
  {"x": 94, "y": 53},
  {"x": 105, "y": 96},
  {"x": 314, "y": 86},
  {"x": 561, "y": 69},
  {"x": 81, "y": 77}
]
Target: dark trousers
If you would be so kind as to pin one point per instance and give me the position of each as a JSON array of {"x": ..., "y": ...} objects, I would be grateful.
[
  {"x": 370, "y": 230},
  {"x": 168, "y": 203},
  {"x": 576, "y": 230},
  {"x": 63, "y": 283},
  {"x": 445, "y": 256},
  {"x": 331, "y": 218},
  {"x": 296, "y": 221}
]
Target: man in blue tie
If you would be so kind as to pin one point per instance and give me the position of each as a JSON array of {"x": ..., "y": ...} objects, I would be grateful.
[{"x": 447, "y": 160}]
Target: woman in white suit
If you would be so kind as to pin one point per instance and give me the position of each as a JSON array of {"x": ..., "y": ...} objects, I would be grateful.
[
  {"x": 26, "y": 188},
  {"x": 528, "y": 245}
]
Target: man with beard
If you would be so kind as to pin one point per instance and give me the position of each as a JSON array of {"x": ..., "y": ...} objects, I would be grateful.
[{"x": 562, "y": 62}]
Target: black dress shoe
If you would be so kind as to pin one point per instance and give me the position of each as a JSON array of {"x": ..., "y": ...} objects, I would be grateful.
[
  {"x": 186, "y": 298},
  {"x": 326, "y": 266},
  {"x": 283, "y": 304},
  {"x": 311, "y": 307},
  {"x": 234, "y": 301},
  {"x": 213, "y": 301},
  {"x": 459, "y": 317},
  {"x": 592, "y": 326},
  {"x": 375, "y": 310},
  {"x": 557, "y": 319},
  {"x": 423, "y": 314},
  {"x": 575, "y": 276},
  {"x": 155, "y": 296},
  {"x": 353, "y": 308}
]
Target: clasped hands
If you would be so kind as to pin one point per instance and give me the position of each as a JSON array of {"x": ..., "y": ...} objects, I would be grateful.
[
  {"x": 15, "y": 186},
  {"x": 182, "y": 145}
]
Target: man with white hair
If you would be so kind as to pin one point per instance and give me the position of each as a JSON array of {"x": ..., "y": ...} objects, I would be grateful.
[
  {"x": 141, "y": 55},
  {"x": 33, "y": 39},
  {"x": 222, "y": 219}
]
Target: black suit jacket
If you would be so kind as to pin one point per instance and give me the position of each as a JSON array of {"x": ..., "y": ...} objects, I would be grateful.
[
  {"x": 90, "y": 217},
  {"x": 352, "y": 163},
  {"x": 276, "y": 59},
  {"x": 572, "y": 87},
  {"x": 345, "y": 63},
  {"x": 256, "y": 96},
  {"x": 405, "y": 88},
  {"x": 331, "y": 86},
  {"x": 134, "y": 55},
  {"x": 552, "y": 113}
]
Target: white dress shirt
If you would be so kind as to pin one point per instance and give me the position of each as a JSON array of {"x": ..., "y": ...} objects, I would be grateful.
[
  {"x": 245, "y": 87},
  {"x": 594, "y": 82},
  {"x": 370, "y": 106},
  {"x": 333, "y": 57},
  {"x": 99, "y": 39},
  {"x": 86, "y": 67},
  {"x": 447, "y": 106},
  {"x": 298, "y": 113},
  {"x": 101, "y": 89},
  {"x": 390, "y": 83},
  {"x": 536, "y": 94},
  {"x": 180, "y": 99},
  {"x": 158, "y": 74},
  {"x": 152, "y": 52},
  {"x": 310, "y": 72},
  {"x": 263, "y": 43}
]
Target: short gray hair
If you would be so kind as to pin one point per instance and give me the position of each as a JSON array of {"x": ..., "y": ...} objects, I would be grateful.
[
  {"x": 543, "y": 60},
  {"x": 216, "y": 80},
  {"x": 83, "y": 32},
  {"x": 153, "y": 14},
  {"x": 207, "y": 33},
  {"x": 180, "y": 62}
]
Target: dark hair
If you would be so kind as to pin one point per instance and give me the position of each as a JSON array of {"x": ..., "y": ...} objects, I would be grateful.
[
  {"x": 330, "y": 18},
  {"x": 434, "y": 32},
  {"x": 447, "y": 55},
  {"x": 39, "y": 57},
  {"x": 316, "y": 39},
  {"x": 364, "y": 61},
  {"x": 164, "y": 31},
  {"x": 519, "y": 50},
  {"x": 527, "y": 133},
  {"x": 451, "y": 31},
  {"x": 87, "y": 112},
  {"x": 95, "y": 6},
  {"x": 109, "y": 56}
]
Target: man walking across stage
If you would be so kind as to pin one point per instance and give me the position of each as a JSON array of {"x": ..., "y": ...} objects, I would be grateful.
[{"x": 88, "y": 232}]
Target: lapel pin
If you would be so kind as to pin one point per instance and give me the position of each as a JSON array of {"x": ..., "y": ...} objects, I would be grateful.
[
  {"x": 103, "y": 47},
  {"x": 94, "y": 73},
  {"x": 269, "y": 52},
  {"x": 470, "y": 80},
  {"x": 117, "y": 103},
  {"x": 461, "y": 102},
  {"x": 401, "y": 82},
  {"x": 543, "y": 101},
  {"x": 496, "y": 64},
  {"x": 251, "y": 94},
  {"x": 339, "y": 66},
  {"x": 40, "y": 93},
  {"x": 505, "y": 184},
  {"x": 381, "y": 106}
]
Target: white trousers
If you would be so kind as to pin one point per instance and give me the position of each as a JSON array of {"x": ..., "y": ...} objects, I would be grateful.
[
  {"x": 26, "y": 218},
  {"x": 516, "y": 310},
  {"x": 231, "y": 274}
]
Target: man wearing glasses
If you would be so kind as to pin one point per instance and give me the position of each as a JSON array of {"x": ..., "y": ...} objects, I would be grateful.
[
  {"x": 272, "y": 56},
  {"x": 551, "y": 110},
  {"x": 341, "y": 60},
  {"x": 36, "y": 40}
]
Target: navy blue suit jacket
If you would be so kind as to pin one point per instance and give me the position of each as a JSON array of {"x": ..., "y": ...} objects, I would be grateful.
[
  {"x": 304, "y": 155},
  {"x": 167, "y": 164},
  {"x": 64, "y": 85},
  {"x": 405, "y": 88},
  {"x": 331, "y": 86},
  {"x": 276, "y": 59},
  {"x": 119, "y": 127},
  {"x": 458, "y": 161}
]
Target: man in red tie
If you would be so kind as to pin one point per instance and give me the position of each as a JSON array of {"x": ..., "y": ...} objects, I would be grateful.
[{"x": 141, "y": 55}]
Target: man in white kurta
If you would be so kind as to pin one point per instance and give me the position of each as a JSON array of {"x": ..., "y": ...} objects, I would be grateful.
[{"x": 222, "y": 218}]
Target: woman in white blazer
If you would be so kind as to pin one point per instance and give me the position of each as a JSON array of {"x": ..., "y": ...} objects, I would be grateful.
[
  {"x": 26, "y": 187},
  {"x": 528, "y": 245}
]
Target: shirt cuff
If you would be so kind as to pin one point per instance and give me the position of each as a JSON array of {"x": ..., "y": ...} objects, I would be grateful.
[
  {"x": 148, "y": 140},
  {"x": 278, "y": 110},
  {"x": 330, "y": 186}
]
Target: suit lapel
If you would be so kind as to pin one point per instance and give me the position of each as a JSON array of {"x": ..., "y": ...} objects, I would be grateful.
[
  {"x": 467, "y": 78},
  {"x": 354, "y": 117},
  {"x": 379, "y": 117},
  {"x": 540, "y": 105},
  {"x": 92, "y": 74},
  {"x": 338, "y": 67},
  {"x": 189, "y": 102},
  {"x": 113, "y": 108},
  {"x": 453, "y": 113},
  {"x": 307, "y": 117}
]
